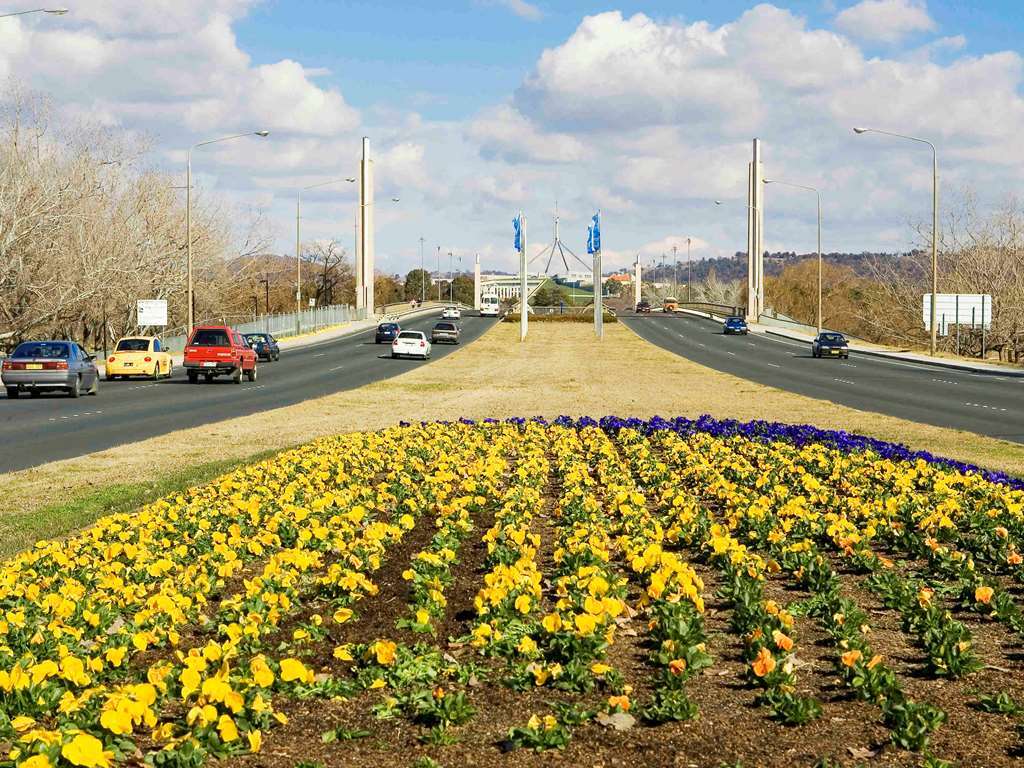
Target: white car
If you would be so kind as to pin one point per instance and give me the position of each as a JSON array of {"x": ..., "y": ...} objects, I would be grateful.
[
  {"x": 451, "y": 313},
  {"x": 411, "y": 344}
]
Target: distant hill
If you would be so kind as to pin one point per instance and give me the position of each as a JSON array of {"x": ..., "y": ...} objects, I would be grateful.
[{"x": 735, "y": 267}]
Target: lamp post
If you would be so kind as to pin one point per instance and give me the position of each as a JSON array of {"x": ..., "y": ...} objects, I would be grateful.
[
  {"x": 818, "y": 194},
  {"x": 935, "y": 217},
  {"x": 439, "y": 273},
  {"x": 675, "y": 272},
  {"x": 51, "y": 11},
  {"x": 188, "y": 212},
  {"x": 298, "y": 248}
]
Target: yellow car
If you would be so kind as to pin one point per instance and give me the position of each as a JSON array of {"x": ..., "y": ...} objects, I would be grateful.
[{"x": 139, "y": 356}]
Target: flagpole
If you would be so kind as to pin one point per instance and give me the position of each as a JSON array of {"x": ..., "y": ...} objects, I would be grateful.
[
  {"x": 595, "y": 238},
  {"x": 523, "y": 293}
]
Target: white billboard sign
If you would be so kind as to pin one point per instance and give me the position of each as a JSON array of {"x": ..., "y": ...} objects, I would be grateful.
[
  {"x": 152, "y": 312},
  {"x": 967, "y": 309}
]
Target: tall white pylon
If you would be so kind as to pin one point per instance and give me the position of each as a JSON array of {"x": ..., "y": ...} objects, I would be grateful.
[
  {"x": 364, "y": 240},
  {"x": 755, "y": 236},
  {"x": 637, "y": 291},
  {"x": 476, "y": 284}
]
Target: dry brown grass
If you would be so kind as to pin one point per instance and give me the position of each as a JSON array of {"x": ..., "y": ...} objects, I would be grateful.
[{"x": 560, "y": 369}]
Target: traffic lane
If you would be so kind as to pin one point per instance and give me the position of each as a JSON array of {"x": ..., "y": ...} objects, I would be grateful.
[
  {"x": 907, "y": 393},
  {"x": 121, "y": 413}
]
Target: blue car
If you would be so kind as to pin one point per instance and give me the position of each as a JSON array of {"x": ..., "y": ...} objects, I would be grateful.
[
  {"x": 734, "y": 325},
  {"x": 387, "y": 332},
  {"x": 264, "y": 345}
]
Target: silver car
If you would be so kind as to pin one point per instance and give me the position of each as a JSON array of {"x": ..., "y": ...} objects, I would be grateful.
[{"x": 39, "y": 366}]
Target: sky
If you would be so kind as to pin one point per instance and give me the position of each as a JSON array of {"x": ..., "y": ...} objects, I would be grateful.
[{"x": 479, "y": 108}]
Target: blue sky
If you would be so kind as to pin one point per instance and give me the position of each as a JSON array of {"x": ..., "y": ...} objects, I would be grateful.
[
  {"x": 479, "y": 108},
  {"x": 450, "y": 59}
]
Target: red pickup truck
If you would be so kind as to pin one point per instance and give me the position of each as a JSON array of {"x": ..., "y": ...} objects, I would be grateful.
[{"x": 219, "y": 350}]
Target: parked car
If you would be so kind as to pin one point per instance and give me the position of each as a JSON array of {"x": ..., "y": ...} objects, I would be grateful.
[
  {"x": 39, "y": 366},
  {"x": 451, "y": 312},
  {"x": 830, "y": 344},
  {"x": 445, "y": 332},
  {"x": 411, "y": 344},
  {"x": 387, "y": 332},
  {"x": 138, "y": 356},
  {"x": 734, "y": 324},
  {"x": 643, "y": 307},
  {"x": 219, "y": 350},
  {"x": 264, "y": 345}
]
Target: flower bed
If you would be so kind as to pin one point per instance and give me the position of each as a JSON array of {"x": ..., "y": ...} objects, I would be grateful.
[{"x": 458, "y": 591}]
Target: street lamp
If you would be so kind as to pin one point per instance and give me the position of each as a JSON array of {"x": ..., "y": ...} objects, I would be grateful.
[
  {"x": 51, "y": 11},
  {"x": 935, "y": 216},
  {"x": 818, "y": 194},
  {"x": 298, "y": 247},
  {"x": 188, "y": 209}
]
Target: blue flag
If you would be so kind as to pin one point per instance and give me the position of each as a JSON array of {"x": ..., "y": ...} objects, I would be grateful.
[
  {"x": 590, "y": 239},
  {"x": 517, "y": 225},
  {"x": 597, "y": 233}
]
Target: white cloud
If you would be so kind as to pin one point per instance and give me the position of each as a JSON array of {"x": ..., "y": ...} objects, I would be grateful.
[
  {"x": 886, "y": 21},
  {"x": 503, "y": 132}
]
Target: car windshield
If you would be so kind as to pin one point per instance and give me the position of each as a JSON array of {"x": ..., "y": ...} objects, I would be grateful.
[
  {"x": 833, "y": 338},
  {"x": 387, "y": 327},
  {"x": 255, "y": 338},
  {"x": 42, "y": 349},
  {"x": 411, "y": 335},
  {"x": 133, "y": 345},
  {"x": 210, "y": 337},
  {"x": 444, "y": 327},
  {"x": 734, "y": 320}
]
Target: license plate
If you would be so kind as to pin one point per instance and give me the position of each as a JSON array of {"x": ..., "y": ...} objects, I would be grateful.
[
  {"x": 209, "y": 365},
  {"x": 33, "y": 366},
  {"x": 835, "y": 351},
  {"x": 128, "y": 365}
]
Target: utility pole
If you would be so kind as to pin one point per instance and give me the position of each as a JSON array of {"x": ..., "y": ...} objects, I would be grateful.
[
  {"x": 451, "y": 281},
  {"x": 439, "y": 273}
]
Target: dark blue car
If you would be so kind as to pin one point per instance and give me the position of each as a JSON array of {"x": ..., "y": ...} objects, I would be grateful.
[
  {"x": 264, "y": 345},
  {"x": 734, "y": 325},
  {"x": 387, "y": 332}
]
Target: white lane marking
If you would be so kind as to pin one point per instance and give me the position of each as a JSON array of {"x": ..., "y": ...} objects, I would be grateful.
[
  {"x": 321, "y": 354},
  {"x": 75, "y": 415},
  {"x": 986, "y": 407},
  {"x": 337, "y": 368},
  {"x": 944, "y": 381},
  {"x": 731, "y": 353},
  {"x": 751, "y": 344},
  {"x": 848, "y": 365},
  {"x": 773, "y": 365},
  {"x": 701, "y": 345},
  {"x": 845, "y": 381}
]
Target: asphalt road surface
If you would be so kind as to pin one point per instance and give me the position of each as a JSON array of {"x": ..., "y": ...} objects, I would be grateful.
[
  {"x": 985, "y": 403},
  {"x": 38, "y": 430}
]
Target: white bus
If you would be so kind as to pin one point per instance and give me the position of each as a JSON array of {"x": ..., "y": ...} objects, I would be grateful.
[{"x": 489, "y": 305}]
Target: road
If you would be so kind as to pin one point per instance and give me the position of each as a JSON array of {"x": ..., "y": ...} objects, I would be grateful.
[
  {"x": 38, "y": 430},
  {"x": 984, "y": 403}
]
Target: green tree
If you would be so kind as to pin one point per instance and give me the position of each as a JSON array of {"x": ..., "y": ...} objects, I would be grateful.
[
  {"x": 463, "y": 289},
  {"x": 612, "y": 287},
  {"x": 415, "y": 282}
]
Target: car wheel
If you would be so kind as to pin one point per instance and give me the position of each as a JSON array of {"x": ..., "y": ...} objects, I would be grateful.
[
  {"x": 12, "y": 393},
  {"x": 95, "y": 388},
  {"x": 35, "y": 393},
  {"x": 76, "y": 388},
  {"x": 208, "y": 377},
  {"x": 251, "y": 375},
  {"x": 107, "y": 376},
  {"x": 156, "y": 372},
  {"x": 394, "y": 356},
  {"x": 193, "y": 377},
  {"x": 236, "y": 375}
]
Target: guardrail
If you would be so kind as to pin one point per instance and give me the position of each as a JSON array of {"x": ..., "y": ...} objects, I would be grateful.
[{"x": 713, "y": 309}]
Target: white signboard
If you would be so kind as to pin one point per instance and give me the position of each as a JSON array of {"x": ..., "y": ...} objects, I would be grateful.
[
  {"x": 152, "y": 312},
  {"x": 967, "y": 309},
  {"x": 312, "y": 302}
]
